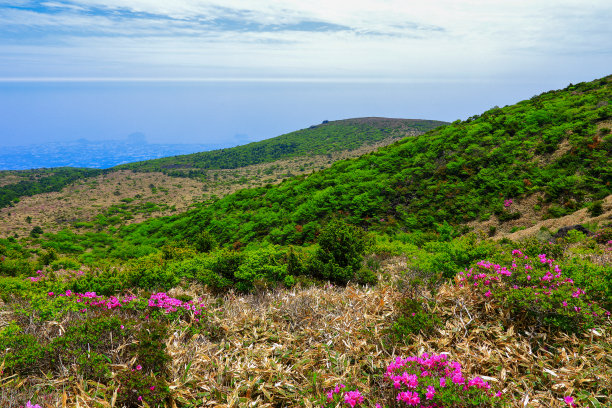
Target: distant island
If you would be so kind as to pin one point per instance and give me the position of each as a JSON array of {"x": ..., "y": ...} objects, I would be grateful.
[{"x": 99, "y": 154}]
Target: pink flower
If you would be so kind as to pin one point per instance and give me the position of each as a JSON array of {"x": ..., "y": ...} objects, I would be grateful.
[
  {"x": 488, "y": 293},
  {"x": 442, "y": 382},
  {"x": 140, "y": 398},
  {"x": 431, "y": 391},
  {"x": 410, "y": 398},
  {"x": 139, "y": 367},
  {"x": 569, "y": 401},
  {"x": 152, "y": 388},
  {"x": 353, "y": 398}
]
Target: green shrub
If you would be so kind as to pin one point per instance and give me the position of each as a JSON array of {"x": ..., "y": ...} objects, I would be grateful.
[
  {"x": 36, "y": 231},
  {"x": 15, "y": 267},
  {"x": 88, "y": 343},
  {"x": 413, "y": 318},
  {"x": 340, "y": 253},
  {"x": 64, "y": 263},
  {"x": 150, "y": 349},
  {"x": 151, "y": 273},
  {"x": 137, "y": 387},
  {"x": 604, "y": 235},
  {"x": 205, "y": 242},
  {"x": 595, "y": 208},
  {"x": 103, "y": 282},
  {"x": 93, "y": 366},
  {"x": 22, "y": 353}
]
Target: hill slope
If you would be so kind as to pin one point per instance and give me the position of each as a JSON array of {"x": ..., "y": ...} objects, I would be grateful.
[
  {"x": 55, "y": 199},
  {"x": 554, "y": 147},
  {"x": 322, "y": 139}
]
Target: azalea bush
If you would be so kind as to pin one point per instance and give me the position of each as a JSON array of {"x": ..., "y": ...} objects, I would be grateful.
[
  {"x": 426, "y": 381},
  {"x": 535, "y": 288}
]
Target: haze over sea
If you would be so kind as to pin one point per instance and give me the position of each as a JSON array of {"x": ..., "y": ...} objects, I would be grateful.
[
  {"x": 227, "y": 73},
  {"x": 228, "y": 113}
]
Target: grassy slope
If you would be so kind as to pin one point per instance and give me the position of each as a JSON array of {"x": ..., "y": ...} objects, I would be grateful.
[
  {"x": 17, "y": 184},
  {"x": 551, "y": 146},
  {"x": 322, "y": 139}
]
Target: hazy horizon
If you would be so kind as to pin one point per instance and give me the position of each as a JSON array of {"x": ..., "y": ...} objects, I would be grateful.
[
  {"x": 230, "y": 113},
  {"x": 209, "y": 71}
]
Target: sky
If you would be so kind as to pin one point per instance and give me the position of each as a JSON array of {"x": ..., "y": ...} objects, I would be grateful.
[{"x": 233, "y": 71}]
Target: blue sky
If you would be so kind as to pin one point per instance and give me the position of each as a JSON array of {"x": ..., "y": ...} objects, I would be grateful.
[{"x": 204, "y": 71}]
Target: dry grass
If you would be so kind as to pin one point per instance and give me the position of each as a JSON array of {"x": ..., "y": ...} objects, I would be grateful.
[
  {"x": 282, "y": 348},
  {"x": 531, "y": 220}
]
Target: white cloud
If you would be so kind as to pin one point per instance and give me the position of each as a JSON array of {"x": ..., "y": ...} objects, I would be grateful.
[{"x": 244, "y": 38}]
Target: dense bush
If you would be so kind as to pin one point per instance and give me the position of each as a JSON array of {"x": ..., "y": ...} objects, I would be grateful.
[{"x": 340, "y": 253}]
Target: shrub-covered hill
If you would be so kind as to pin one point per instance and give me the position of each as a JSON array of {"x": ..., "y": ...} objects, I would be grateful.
[
  {"x": 555, "y": 147},
  {"x": 24, "y": 183},
  {"x": 320, "y": 139},
  {"x": 331, "y": 139}
]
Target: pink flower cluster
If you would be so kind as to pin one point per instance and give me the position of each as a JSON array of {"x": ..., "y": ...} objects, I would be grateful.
[
  {"x": 487, "y": 273},
  {"x": 420, "y": 382},
  {"x": 422, "y": 378},
  {"x": 508, "y": 203},
  {"x": 157, "y": 300},
  {"x": 162, "y": 301},
  {"x": 40, "y": 276}
]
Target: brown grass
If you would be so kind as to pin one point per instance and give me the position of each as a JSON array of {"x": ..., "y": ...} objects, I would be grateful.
[
  {"x": 531, "y": 220},
  {"x": 274, "y": 343}
]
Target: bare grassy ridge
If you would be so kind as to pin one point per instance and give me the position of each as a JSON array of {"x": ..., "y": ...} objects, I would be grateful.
[
  {"x": 83, "y": 201},
  {"x": 283, "y": 348},
  {"x": 532, "y": 221}
]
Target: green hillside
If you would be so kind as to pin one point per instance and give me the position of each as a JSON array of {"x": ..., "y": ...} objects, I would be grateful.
[
  {"x": 317, "y": 140},
  {"x": 556, "y": 145},
  {"x": 323, "y": 139}
]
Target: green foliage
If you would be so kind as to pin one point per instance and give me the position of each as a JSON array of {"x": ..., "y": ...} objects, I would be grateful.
[
  {"x": 86, "y": 342},
  {"x": 36, "y": 231},
  {"x": 137, "y": 387},
  {"x": 151, "y": 348},
  {"x": 341, "y": 250},
  {"x": 21, "y": 353},
  {"x": 205, "y": 242},
  {"x": 604, "y": 235},
  {"x": 596, "y": 208},
  {"x": 453, "y": 174},
  {"x": 448, "y": 258},
  {"x": 64, "y": 263},
  {"x": 413, "y": 318},
  {"x": 151, "y": 273}
]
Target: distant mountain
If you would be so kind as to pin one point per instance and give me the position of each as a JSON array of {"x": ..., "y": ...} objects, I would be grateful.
[
  {"x": 92, "y": 154},
  {"x": 322, "y": 139}
]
